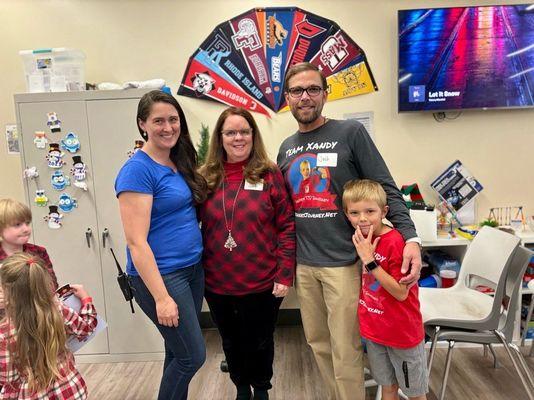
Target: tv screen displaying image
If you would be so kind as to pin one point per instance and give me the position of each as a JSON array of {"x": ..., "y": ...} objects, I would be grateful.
[{"x": 466, "y": 58}]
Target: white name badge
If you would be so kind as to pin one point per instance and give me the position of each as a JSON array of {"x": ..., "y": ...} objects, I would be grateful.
[
  {"x": 253, "y": 186},
  {"x": 327, "y": 159}
]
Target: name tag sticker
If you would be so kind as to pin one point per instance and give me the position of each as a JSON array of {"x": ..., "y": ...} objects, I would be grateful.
[
  {"x": 327, "y": 159},
  {"x": 253, "y": 186}
]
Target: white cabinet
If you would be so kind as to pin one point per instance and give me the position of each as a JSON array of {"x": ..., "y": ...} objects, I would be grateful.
[{"x": 105, "y": 125}]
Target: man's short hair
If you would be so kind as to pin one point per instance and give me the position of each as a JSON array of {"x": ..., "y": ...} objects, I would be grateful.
[
  {"x": 301, "y": 67},
  {"x": 364, "y": 190}
]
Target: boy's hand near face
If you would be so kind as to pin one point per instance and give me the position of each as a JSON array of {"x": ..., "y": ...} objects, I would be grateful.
[{"x": 364, "y": 245}]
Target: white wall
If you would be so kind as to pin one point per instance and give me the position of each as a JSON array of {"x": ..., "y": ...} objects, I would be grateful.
[{"x": 138, "y": 40}]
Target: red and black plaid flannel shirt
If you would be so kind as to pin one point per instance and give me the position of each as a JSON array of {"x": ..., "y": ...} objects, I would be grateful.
[
  {"x": 71, "y": 385},
  {"x": 263, "y": 228},
  {"x": 36, "y": 251}
]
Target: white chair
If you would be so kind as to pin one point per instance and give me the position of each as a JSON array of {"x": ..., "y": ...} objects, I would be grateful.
[
  {"x": 462, "y": 306},
  {"x": 503, "y": 332},
  {"x": 529, "y": 317}
]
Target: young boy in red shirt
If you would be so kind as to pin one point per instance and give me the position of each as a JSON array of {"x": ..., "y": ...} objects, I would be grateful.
[
  {"x": 15, "y": 231},
  {"x": 388, "y": 312}
]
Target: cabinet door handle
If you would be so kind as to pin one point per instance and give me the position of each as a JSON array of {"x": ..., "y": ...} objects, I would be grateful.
[
  {"x": 105, "y": 234},
  {"x": 88, "y": 234}
]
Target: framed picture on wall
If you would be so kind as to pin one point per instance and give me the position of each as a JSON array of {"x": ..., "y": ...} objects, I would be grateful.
[{"x": 12, "y": 139}]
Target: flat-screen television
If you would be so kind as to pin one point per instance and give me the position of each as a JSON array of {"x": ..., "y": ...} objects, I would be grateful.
[{"x": 466, "y": 58}]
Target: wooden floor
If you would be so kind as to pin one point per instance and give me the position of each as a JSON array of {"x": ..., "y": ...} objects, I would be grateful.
[{"x": 296, "y": 378}]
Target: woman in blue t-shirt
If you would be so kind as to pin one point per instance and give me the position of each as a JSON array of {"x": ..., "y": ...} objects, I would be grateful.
[{"x": 158, "y": 189}]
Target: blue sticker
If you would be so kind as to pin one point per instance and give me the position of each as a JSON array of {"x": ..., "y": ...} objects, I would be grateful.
[
  {"x": 59, "y": 181},
  {"x": 70, "y": 143},
  {"x": 67, "y": 203}
]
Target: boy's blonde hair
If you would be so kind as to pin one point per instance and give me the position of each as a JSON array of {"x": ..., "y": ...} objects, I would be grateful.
[
  {"x": 40, "y": 344},
  {"x": 364, "y": 190},
  {"x": 13, "y": 212}
]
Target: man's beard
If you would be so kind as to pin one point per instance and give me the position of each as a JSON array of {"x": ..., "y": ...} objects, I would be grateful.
[{"x": 308, "y": 118}]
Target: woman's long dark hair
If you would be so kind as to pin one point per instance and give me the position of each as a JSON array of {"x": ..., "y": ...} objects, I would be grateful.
[{"x": 183, "y": 154}]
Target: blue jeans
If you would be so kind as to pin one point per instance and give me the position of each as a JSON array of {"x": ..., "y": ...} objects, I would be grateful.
[{"x": 185, "y": 351}]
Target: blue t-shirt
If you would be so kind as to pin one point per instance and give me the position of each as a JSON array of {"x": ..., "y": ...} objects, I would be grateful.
[{"x": 174, "y": 235}]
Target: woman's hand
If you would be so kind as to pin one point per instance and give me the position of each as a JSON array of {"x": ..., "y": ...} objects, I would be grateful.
[
  {"x": 280, "y": 290},
  {"x": 79, "y": 291},
  {"x": 364, "y": 245},
  {"x": 167, "y": 312}
]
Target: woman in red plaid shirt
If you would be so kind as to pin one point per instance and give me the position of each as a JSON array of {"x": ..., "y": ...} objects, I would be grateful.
[
  {"x": 248, "y": 231},
  {"x": 35, "y": 362}
]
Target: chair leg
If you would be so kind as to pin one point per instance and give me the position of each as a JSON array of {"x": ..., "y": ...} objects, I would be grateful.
[
  {"x": 485, "y": 349},
  {"x": 433, "y": 349},
  {"x": 447, "y": 367},
  {"x": 501, "y": 337},
  {"x": 495, "y": 360},
  {"x": 523, "y": 363},
  {"x": 378, "y": 393},
  {"x": 529, "y": 316}
]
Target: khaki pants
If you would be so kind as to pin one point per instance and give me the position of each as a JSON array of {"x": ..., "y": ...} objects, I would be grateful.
[{"x": 328, "y": 299}]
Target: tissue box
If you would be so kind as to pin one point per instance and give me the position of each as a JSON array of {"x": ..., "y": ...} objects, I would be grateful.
[{"x": 425, "y": 224}]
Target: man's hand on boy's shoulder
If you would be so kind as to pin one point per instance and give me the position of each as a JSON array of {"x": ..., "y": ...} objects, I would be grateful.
[{"x": 411, "y": 262}]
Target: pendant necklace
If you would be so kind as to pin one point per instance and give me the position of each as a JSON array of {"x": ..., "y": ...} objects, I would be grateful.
[{"x": 230, "y": 243}]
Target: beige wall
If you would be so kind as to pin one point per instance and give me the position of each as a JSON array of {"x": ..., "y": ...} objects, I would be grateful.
[{"x": 138, "y": 40}]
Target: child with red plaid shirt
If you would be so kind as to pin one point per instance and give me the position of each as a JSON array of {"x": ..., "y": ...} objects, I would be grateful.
[
  {"x": 35, "y": 362},
  {"x": 15, "y": 231}
]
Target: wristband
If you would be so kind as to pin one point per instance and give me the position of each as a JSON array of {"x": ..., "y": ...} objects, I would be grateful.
[{"x": 372, "y": 265}]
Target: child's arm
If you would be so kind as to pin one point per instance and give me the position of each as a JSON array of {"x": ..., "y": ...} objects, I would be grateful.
[
  {"x": 80, "y": 323},
  {"x": 366, "y": 251},
  {"x": 394, "y": 288}
]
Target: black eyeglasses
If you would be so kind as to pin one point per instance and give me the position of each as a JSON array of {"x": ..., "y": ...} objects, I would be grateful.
[{"x": 296, "y": 92}]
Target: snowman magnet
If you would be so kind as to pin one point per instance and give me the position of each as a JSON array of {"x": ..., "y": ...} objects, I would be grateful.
[
  {"x": 79, "y": 171},
  {"x": 40, "y": 199},
  {"x": 67, "y": 203},
  {"x": 137, "y": 146},
  {"x": 70, "y": 143},
  {"x": 55, "y": 156},
  {"x": 59, "y": 181},
  {"x": 54, "y": 217},
  {"x": 53, "y": 122},
  {"x": 40, "y": 140}
]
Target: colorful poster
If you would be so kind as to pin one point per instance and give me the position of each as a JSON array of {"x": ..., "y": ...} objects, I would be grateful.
[
  {"x": 245, "y": 36},
  {"x": 244, "y": 61},
  {"x": 351, "y": 81},
  {"x": 201, "y": 82},
  {"x": 279, "y": 22},
  {"x": 456, "y": 185}
]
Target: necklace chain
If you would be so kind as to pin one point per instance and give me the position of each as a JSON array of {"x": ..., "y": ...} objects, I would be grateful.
[{"x": 230, "y": 243}]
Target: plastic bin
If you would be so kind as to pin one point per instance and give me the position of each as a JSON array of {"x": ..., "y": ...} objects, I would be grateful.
[{"x": 54, "y": 70}]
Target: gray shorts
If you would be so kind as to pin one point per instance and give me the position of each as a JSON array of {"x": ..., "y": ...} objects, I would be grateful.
[{"x": 405, "y": 367}]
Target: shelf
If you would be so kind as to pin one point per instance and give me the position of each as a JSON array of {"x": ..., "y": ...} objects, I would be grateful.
[
  {"x": 526, "y": 236},
  {"x": 444, "y": 242}
]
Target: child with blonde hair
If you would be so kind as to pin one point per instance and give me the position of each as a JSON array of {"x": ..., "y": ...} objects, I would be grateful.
[
  {"x": 15, "y": 231},
  {"x": 388, "y": 311},
  {"x": 35, "y": 362}
]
